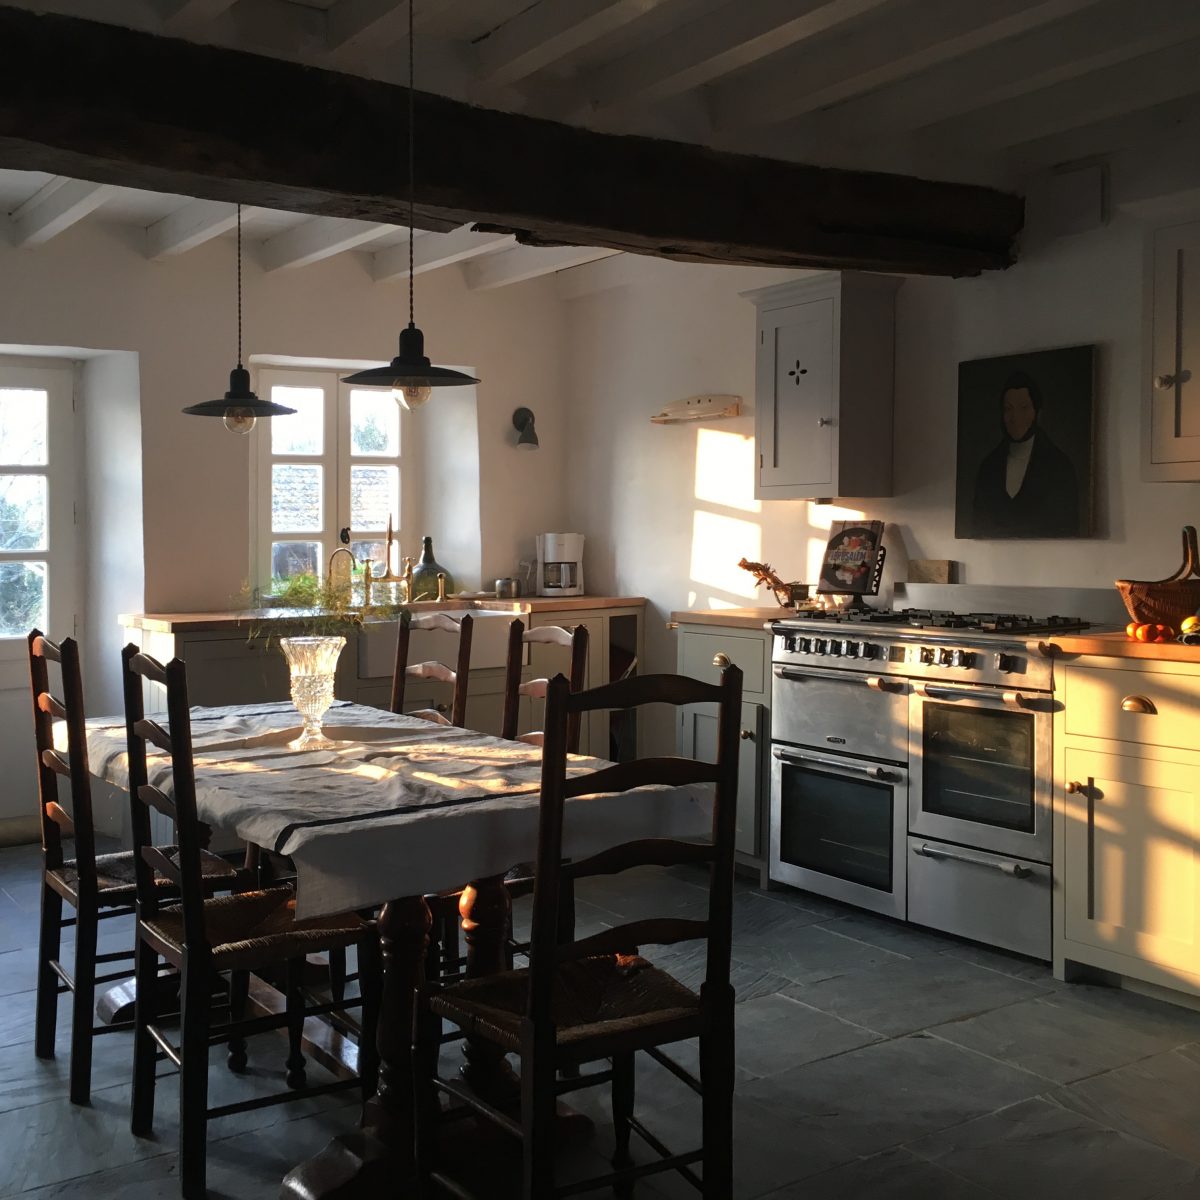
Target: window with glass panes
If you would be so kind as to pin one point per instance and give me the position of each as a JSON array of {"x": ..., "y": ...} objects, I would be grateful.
[
  {"x": 37, "y": 519},
  {"x": 329, "y": 475}
]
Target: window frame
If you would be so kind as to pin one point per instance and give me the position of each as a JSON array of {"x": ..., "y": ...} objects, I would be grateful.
[
  {"x": 336, "y": 460},
  {"x": 57, "y": 379}
]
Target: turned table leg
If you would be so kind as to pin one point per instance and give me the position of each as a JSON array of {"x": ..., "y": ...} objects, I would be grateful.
[{"x": 376, "y": 1159}]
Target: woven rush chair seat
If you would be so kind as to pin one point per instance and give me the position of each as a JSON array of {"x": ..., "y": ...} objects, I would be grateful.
[
  {"x": 609, "y": 994},
  {"x": 115, "y": 876},
  {"x": 253, "y": 928}
]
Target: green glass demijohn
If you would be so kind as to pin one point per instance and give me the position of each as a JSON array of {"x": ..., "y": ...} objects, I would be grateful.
[{"x": 425, "y": 574}]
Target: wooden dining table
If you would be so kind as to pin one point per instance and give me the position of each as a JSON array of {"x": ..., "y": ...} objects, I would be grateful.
[{"x": 395, "y": 809}]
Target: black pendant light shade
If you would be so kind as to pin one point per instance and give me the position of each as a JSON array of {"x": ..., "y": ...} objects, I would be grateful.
[
  {"x": 410, "y": 374},
  {"x": 240, "y": 408},
  {"x": 239, "y": 396},
  {"x": 410, "y": 368}
]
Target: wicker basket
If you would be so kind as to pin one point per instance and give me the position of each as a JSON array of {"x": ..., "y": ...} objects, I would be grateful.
[{"x": 1167, "y": 601}]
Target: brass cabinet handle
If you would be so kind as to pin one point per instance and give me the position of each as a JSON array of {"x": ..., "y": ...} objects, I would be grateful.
[
  {"x": 1138, "y": 704},
  {"x": 1075, "y": 788},
  {"x": 672, "y": 624},
  {"x": 747, "y": 735},
  {"x": 721, "y": 661}
]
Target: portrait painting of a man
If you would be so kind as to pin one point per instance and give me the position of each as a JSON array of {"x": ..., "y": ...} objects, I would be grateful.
[{"x": 1025, "y": 445}]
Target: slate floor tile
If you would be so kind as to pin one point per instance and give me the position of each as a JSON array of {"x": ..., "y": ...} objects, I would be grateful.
[
  {"x": 1028, "y": 1151},
  {"x": 1058, "y": 1040},
  {"x": 26, "y": 1079},
  {"x": 886, "y": 934},
  {"x": 757, "y": 915},
  {"x": 1157, "y": 1099},
  {"x": 1141, "y": 1014},
  {"x": 643, "y": 892},
  {"x": 1016, "y": 965},
  {"x": 775, "y": 1033},
  {"x": 893, "y": 1175},
  {"x": 904, "y": 995},
  {"x": 809, "y": 953},
  {"x": 889, "y": 1093},
  {"x": 687, "y": 964}
]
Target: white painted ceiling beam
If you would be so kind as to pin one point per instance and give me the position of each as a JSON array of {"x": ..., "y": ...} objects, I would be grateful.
[
  {"x": 434, "y": 250},
  {"x": 543, "y": 33},
  {"x": 195, "y": 223},
  {"x": 1150, "y": 80},
  {"x": 181, "y": 18},
  {"x": 1113, "y": 32},
  {"x": 526, "y": 262},
  {"x": 898, "y": 44},
  {"x": 714, "y": 45},
  {"x": 359, "y": 24},
  {"x": 318, "y": 238},
  {"x": 56, "y": 206}
]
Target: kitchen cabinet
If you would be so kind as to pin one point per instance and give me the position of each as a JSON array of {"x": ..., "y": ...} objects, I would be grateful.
[
  {"x": 1127, "y": 820},
  {"x": 702, "y": 652},
  {"x": 823, "y": 392},
  {"x": 1171, "y": 434}
]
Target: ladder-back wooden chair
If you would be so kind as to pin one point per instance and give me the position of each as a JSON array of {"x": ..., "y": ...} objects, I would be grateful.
[
  {"x": 96, "y": 886},
  {"x": 458, "y": 677},
  {"x": 576, "y": 641},
  {"x": 248, "y": 932},
  {"x": 596, "y": 999}
]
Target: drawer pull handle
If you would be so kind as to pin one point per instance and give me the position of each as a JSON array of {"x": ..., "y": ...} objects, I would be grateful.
[
  {"x": 1075, "y": 788},
  {"x": 1016, "y": 870},
  {"x": 672, "y": 624},
  {"x": 721, "y": 661},
  {"x": 1138, "y": 704}
]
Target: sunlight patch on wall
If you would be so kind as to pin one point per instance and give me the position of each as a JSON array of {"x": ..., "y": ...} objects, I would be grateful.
[
  {"x": 725, "y": 469},
  {"x": 813, "y": 558},
  {"x": 717, "y": 602},
  {"x": 822, "y": 516},
  {"x": 718, "y": 543}
]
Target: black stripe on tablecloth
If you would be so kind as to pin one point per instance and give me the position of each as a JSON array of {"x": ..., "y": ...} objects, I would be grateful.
[{"x": 402, "y": 810}]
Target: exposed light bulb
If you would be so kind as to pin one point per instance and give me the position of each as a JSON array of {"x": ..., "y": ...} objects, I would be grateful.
[
  {"x": 239, "y": 420},
  {"x": 410, "y": 396}
]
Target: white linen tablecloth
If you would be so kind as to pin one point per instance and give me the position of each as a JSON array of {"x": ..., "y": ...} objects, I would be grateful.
[{"x": 399, "y": 807}]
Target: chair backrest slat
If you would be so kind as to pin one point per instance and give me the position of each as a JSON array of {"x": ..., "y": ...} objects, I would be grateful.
[
  {"x": 649, "y": 852},
  {"x": 53, "y": 761},
  {"x": 575, "y": 640},
  {"x": 176, "y": 739},
  {"x": 156, "y": 860},
  {"x": 459, "y": 676},
  {"x": 626, "y": 939},
  {"x": 556, "y": 787}
]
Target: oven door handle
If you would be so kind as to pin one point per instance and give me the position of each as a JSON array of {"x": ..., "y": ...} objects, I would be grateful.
[
  {"x": 880, "y": 773},
  {"x": 1016, "y": 870},
  {"x": 935, "y": 691},
  {"x": 876, "y": 682}
]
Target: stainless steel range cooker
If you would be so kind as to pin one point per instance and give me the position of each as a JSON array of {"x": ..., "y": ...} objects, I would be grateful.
[{"x": 911, "y": 767}]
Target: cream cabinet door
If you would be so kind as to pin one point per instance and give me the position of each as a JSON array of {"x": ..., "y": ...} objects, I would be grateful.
[
  {"x": 1132, "y": 857},
  {"x": 1173, "y": 436},
  {"x": 697, "y": 738}
]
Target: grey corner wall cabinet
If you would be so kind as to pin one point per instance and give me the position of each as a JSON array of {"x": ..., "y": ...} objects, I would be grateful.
[
  {"x": 704, "y": 649},
  {"x": 1127, "y": 820},
  {"x": 824, "y": 381},
  {"x": 1171, "y": 427}
]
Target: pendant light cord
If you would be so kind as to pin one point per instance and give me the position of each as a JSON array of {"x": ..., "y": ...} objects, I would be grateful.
[
  {"x": 412, "y": 186},
  {"x": 239, "y": 283}
]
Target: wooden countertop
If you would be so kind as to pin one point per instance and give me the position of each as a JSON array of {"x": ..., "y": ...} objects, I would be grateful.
[
  {"x": 211, "y": 622},
  {"x": 1117, "y": 645},
  {"x": 731, "y": 618}
]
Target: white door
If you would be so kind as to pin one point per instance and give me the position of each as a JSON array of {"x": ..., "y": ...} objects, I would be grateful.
[{"x": 38, "y": 554}]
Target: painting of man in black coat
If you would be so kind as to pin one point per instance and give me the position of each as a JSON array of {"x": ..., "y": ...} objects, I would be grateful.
[{"x": 1025, "y": 446}]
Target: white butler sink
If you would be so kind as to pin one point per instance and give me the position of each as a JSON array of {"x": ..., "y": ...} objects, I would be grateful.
[{"x": 489, "y": 642}]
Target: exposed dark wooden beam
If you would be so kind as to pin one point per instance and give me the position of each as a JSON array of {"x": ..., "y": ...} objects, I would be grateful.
[{"x": 113, "y": 105}]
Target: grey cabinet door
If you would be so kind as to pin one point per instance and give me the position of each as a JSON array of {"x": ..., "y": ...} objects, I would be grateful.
[
  {"x": 1173, "y": 427},
  {"x": 796, "y": 402},
  {"x": 697, "y": 738}
]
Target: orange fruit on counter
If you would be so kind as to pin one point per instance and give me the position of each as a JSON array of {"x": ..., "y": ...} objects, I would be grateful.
[
  {"x": 1144, "y": 633},
  {"x": 1131, "y": 629},
  {"x": 1164, "y": 633}
]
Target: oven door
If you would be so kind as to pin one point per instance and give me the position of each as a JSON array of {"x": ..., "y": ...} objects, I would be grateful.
[
  {"x": 981, "y": 770},
  {"x": 837, "y": 828}
]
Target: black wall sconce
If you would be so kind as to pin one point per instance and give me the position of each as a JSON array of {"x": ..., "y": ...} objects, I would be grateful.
[{"x": 523, "y": 422}]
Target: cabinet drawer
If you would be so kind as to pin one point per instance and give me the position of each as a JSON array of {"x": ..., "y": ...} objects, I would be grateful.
[
  {"x": 697, "y": 651},
  {"x": 1093, "y": 699}
]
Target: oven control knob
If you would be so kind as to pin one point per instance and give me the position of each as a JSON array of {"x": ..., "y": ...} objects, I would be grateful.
[
  {"x": 867, "y": 650},
  {"x": 1007, "y": 663},
  {"x": 819, "y": 645},
  {"x": 850, "y": 649},
  {"x": 945, "y": 658},
  {"x": 926, "y": 655},
  {"x": 834, "y": 647},
  {"x": 963, "y": 658}
]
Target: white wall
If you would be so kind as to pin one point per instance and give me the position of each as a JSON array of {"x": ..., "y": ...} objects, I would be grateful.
[
  {"x": 93, "y": 287},
  {"x": 110, "y": 518},
  {"x": 669, "y": 510}
]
